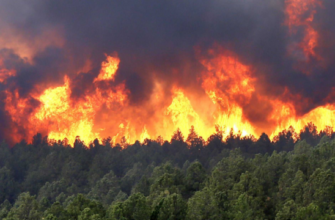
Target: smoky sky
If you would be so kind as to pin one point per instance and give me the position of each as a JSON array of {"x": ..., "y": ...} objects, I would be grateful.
[{"x": 157, "y": 37}]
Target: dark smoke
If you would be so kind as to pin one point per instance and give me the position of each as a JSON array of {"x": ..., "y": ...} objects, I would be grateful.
[{"x": 155, "y": 38}]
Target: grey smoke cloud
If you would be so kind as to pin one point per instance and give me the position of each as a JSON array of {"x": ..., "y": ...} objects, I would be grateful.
[{"x": 153, "y": 38}]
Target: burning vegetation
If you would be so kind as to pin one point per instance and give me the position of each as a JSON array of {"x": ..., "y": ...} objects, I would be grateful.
[
  {"x": 167, "y": 109},
  {"x": 70, "y": 92}
]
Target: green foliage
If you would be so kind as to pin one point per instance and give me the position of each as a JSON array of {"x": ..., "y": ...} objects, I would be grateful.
[
  {"x": 195, "y": 176},
  {"x": 320, "y": 189},
  {"x": 246, "y": 207},
  {"x": 143, "y": 186},
  {"x": 131, "y": 177},
  {"x": 52, "y": 190},
  {"x": 25, "y": 208},
  {"x": 288, "y": 211},
  {"x": 166, "y": 180},
  {"x": 81, "y": 206},
  {"x": 135, "y": 207},
  {"x": 120, "y": 197},
  {"x": 173, "y": 208},
  {"x": 105, "y": 189},
  {"x": 4, "y": 209},
  {"x": 233, "y": 178},
  {"x": 56, "y": 211},
  {"x": 8, "y": 186},
  {"x": 311, "y": 212},
  {"x": 207, "y": 205}
]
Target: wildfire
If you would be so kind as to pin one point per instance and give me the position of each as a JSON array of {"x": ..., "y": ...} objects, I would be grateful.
[
  {"x": 300, "y": 13},
  {"x": 61, "y": 116},
  {"x": 4, "y": 72},
  {"x": 66, "y": 119},
  {"x": 322, "y": 117},
  {"x": 144, "y": 135},
  {"x": 219, "y": 98},
  {"x": 183, "y": 115},
  {"x": 229, "y": 84},
  {"x": 108, "y": 68}
]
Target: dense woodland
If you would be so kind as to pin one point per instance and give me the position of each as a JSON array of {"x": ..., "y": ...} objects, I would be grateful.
[{"x": 291, "y": 177}]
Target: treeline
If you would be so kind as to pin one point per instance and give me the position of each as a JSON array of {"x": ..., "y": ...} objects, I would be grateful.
[{"x": 292, "y": 177}]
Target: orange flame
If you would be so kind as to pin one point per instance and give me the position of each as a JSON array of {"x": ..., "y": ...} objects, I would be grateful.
[
  {"x": 64, "y": 119},
  {"x": 108, "y": 68},
  {"x": 184, "y": 116},
  {"x": 61, "y": 116},
  {"x": 300, "y": 13},
  {"x": 285, "y": 116},
  {"x": 228, "y": 84},
  {"x": 4, "y": 72}
]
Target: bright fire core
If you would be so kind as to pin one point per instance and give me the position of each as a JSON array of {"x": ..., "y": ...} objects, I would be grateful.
[
  {"x": 229, "y": 96},
  {"x": 227, "y": 83}
]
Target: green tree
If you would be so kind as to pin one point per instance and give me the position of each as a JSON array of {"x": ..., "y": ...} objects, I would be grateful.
[
  {"x": 173, "y": 208},
  {"x": 8, "y": 186},
  {"x": 143, "y": 186},
  {"x": 105, "y": 189},
  {"x": 320, "y": 189},
  {"x": 288, "y": 211},
  {"x": 250, "y": 198},
  {"x": 4, "y": 209},
  {"x": 195, "y": 176},
  {"x": 57, "y": 211},
  {"x": 202, "y": 206},
  {"x": 120, "y": 197},
  {"x": 25, "y": 208},
  {"x": 135, "y": 208},
  {"x": 166, "y": 180},
  {"x": 132, "y": 177},
  {"x": 87, "y": 214},
  {"x": 311, "y": 212},
  {"x": 295, "y": 192},
  {"x": 52, "y": 190},
  {"x": 227, "y": 172},
  {"x": 80, "y": 203}
]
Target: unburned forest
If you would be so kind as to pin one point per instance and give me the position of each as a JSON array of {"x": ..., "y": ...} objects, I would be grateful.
[{"x": 291, "y": 177}]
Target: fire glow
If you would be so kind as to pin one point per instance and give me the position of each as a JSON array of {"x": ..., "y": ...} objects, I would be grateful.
[
  {"x": 301, "y": 13},
  {"x": 226, "y": 88},
  {"x": 66, "y": 118}
]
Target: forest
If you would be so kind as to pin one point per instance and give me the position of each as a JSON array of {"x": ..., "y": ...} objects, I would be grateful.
[{"x": 224, "y": 177}]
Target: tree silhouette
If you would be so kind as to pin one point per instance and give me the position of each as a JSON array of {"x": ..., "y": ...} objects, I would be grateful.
[{"x": 177, "y": 136}]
